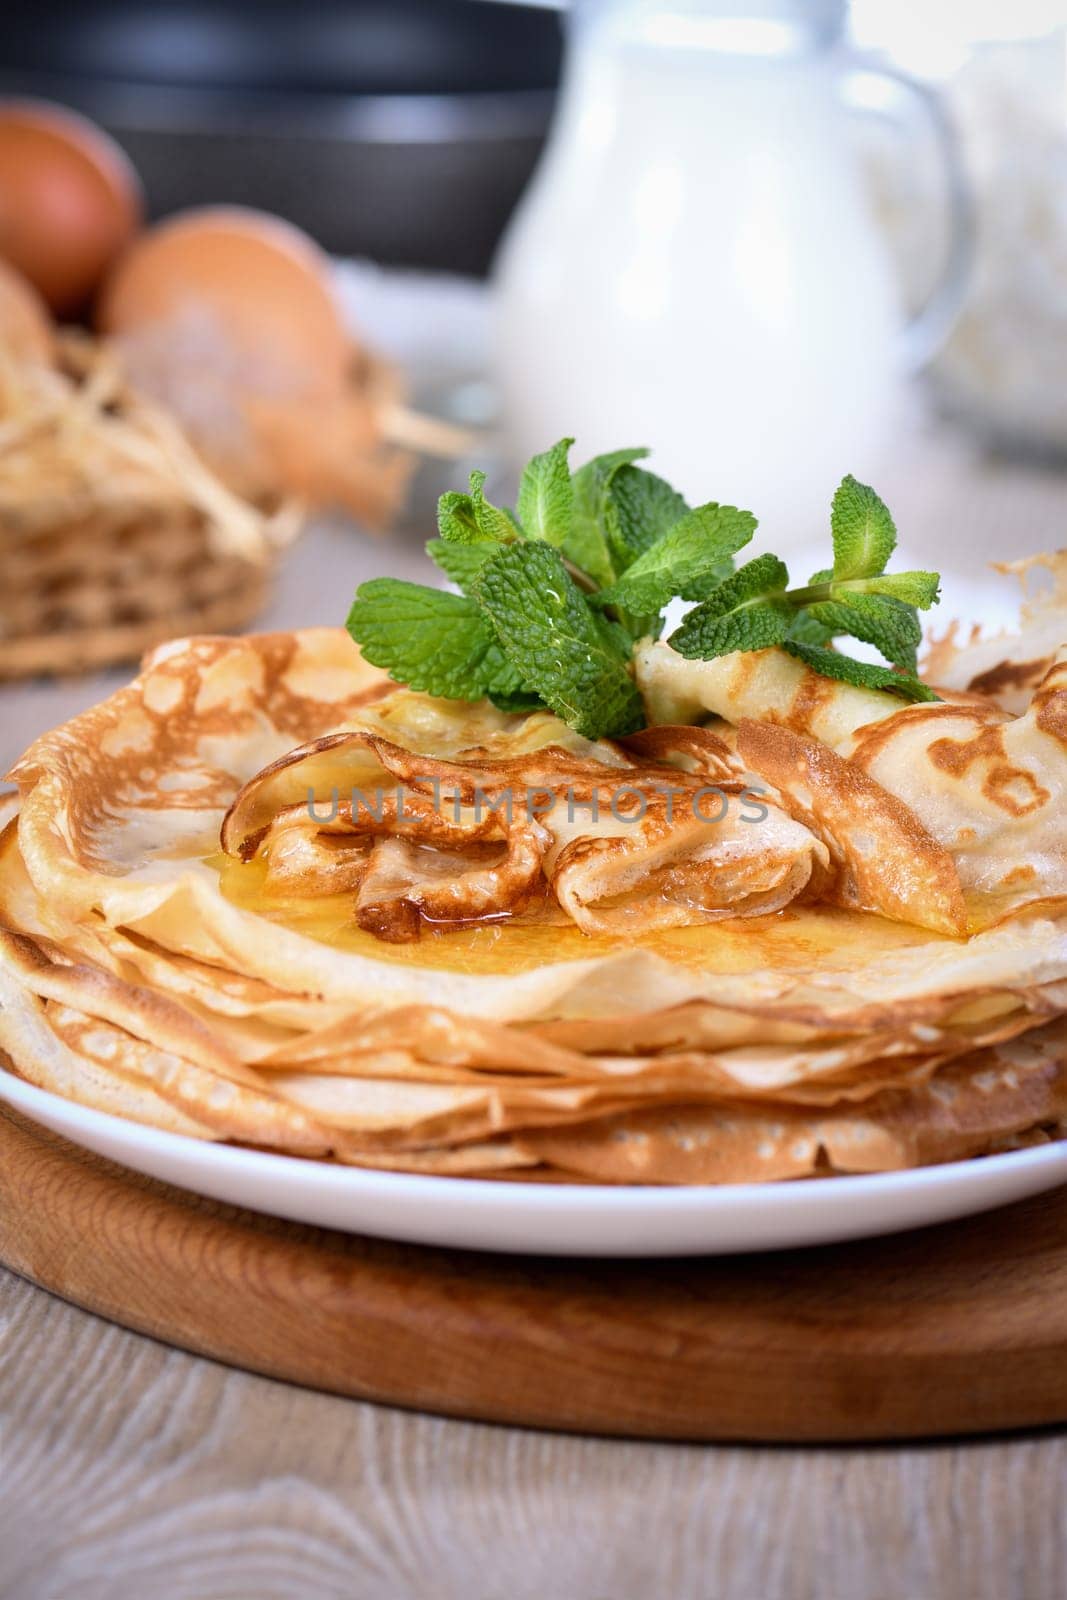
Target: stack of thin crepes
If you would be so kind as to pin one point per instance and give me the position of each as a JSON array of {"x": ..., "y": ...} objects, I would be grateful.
[{"x": 263, "y": 895}]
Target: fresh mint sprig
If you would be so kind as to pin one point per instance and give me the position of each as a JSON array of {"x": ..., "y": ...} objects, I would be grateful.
[
  {"x": 546, "y": 496},
  {"x": 555, "y": 642},
  {"x": 435, "y": 642},
  {"x": 855, "y": 597},
  {"x": 596, "y": 514},
  {"x": 688, "y": 559},
  {"x": 555, "y": 595}
]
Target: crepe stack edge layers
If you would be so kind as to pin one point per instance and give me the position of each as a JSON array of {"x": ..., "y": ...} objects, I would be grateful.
[{"x": 131, "y": 982}]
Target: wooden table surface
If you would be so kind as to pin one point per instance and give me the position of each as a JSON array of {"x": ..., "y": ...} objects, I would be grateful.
[{"x": 130, "y": 1470}]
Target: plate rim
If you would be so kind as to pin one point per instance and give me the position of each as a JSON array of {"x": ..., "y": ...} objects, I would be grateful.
[{"x": 688, "y": 1200}]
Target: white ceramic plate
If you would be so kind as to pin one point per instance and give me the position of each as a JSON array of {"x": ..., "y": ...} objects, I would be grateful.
[{"x": 558, "y": 1219}]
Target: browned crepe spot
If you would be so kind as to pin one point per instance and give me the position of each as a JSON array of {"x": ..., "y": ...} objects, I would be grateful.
[
  {"x": 690, "y": 749},
  {"x": 233, "y": 1110},
  {"x": 73, "y": 1077},
  {"x": 134, "y": 1008},
  {"x": 885, "y": 859},
  {"x": 1006, "y": 676},
  {"x": 1014, "y": 789},
  {"x": 1007, "y": 667},
  {"x": 1050, "y": 703},
  {"x": 869, "y": 742},
  {"x": 970, "y": 1108}
]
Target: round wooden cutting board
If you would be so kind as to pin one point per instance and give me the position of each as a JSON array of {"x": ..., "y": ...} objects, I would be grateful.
[{"x": 955, "y": 1329}]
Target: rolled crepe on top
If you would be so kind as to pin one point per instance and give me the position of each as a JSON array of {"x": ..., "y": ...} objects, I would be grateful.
[
  {"x": 619, "y": 841},
  {"x": 948, "y": 815}
]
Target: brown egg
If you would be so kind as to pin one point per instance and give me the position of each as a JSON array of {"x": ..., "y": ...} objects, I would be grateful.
[
  {"x": 227, "y": 317},
  {"x": 26, "y": 330},
  {"x": 69, "y": 200},
  {"x": 242, "y": 282}
]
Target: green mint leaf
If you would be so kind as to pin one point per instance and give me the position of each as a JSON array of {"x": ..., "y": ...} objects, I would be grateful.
[
  {"x": 468, "y": 518},
  {"x": 456, "y": 520},
  {"x": 761, "y": 624},
  {"x": 501, "y": 682},
  {"x": 587, "y": 543},
  {"x": 522, "y": 700},
  {"x": 493, "y": 522},
  {"x": 746, "y": 612},
  {"x": 639, "y": 509},
  {"x": 587, "y": 547},
  {"x": 556, "y": 643},
  {"x": 604, "y": 467},
  {"x": 461, "y": 562},
  {"x": 690, "y": 560},
  {"x": 922, "y": 589},
  {"x": 806, "y": 630},
  {"x": 546, "y": 496},
  {"x": 893, "y": 628},
  {"x": 615, "y": 636},
  {"x": 861, "y": 674},
  {"x": 863, "y": 532},
  {"x": 435, "y": 642}
]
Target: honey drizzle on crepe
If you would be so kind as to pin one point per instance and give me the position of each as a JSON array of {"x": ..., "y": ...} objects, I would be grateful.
[{"x": 798, "y": 936}]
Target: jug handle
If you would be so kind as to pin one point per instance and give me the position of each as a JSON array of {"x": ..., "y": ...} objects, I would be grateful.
[{"x": 929, "y": 327}]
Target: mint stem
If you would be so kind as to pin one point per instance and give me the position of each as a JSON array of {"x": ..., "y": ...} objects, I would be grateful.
[
  {"x": 582, "y": 579},
  {"x": 808, "y": 596}
]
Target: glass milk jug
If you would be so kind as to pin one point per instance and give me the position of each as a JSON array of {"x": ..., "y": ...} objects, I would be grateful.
[{"x": 694, "y": 267}]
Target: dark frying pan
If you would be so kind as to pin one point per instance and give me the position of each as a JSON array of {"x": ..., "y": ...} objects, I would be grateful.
[{"x": 399, "y": 129}]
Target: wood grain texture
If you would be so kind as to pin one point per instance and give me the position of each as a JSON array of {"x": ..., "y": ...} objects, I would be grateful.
[
  {"x": 961, "y": 1328},
  {"x": 132, "y": 1471}
]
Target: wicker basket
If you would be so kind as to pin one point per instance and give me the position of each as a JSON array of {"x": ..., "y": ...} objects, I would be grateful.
[{"x": 114, "y": 534}]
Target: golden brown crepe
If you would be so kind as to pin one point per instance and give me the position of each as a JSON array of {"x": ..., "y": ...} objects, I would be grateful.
[
  {"x": 623, "y": 843},
  {"x": 192, "y": 934},
  {"x": 947, "y": 815},
  {"x": 1006, "y": 667}
]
